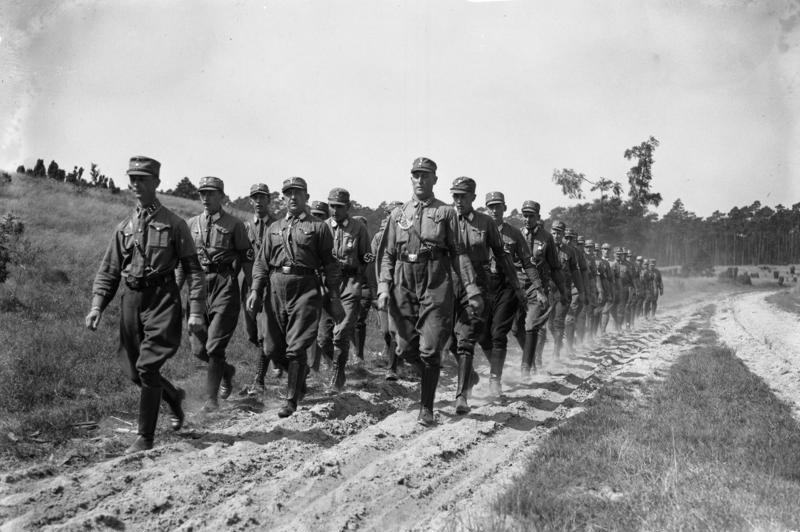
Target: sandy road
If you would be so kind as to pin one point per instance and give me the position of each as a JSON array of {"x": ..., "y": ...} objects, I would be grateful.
[
  {"x": 767, "y": 339},
  {"x": 357, "y": 460}
]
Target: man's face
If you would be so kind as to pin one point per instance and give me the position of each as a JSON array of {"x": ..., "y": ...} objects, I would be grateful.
[
  {"x": 496, "y": 211},
  {"x": 296, "y": 199},
  {"x": 640, "y": 263},
  {"x": 339, "y": 212},
  {"x": 530, "y": 219},
  {"x": 604, "y": 253},
  {"x": 211, "y": 200},
  {"x": 651, "y": 266},
  {"x": 463, "y": 202},
  {"x": 260, "y": 204},
  {"x": 144, "y": 188},
  {"x": 423, "y": 182},
  {"x": 558, "y": 237}
]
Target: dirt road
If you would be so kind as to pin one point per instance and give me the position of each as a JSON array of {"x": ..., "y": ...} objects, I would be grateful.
[{"x": 353, "y": 461}]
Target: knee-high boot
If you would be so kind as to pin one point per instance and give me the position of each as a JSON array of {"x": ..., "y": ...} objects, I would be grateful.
[
  {"x": 529, "y": 352},
  {"x": 430, "y": 380},
  {"x": 496, "y": 364},
  {"x": 216, "y": 367},
  {"x": 174, "y": 398},
  {"x": 464, "y": 383},
  {"x": 149, "y": 402}
]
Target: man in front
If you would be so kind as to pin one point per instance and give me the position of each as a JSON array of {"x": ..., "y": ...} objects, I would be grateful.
[
  {"x": 502, "y": 299},
  {"x": 294, "y": 250},
  {"x": 485, "y": 249},
  {"x": 351, "y": 247},
  {"x": 144, "y": 251},
  {"x": 223, "y": 249},
  {"x": 421, "y": 251},
  {"x": 256, "y": 229}
]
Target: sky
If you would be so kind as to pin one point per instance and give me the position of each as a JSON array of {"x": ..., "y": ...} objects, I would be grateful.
[{"x": 347, "y": 93}]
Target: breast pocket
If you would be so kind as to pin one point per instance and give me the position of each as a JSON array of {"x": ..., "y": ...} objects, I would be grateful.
[
  {"x": 303, "y": 236},
  {"x": 221, "y": 237},
  {"x": 433, "y": 227},
  {"x": 158, "y": 235},
  {"x": 477, "y": 238},
  {"x": 508, "y": 245}
]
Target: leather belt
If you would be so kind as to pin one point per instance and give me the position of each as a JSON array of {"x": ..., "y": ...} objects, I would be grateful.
[
  {"x": 213, "y": 267},
  {"x": 424, "y": 255},
  {"x": 142, "y": 283},
  {"x": 295, "y": 270}
]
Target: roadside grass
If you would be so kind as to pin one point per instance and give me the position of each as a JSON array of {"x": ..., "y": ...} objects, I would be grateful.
[
  {"x": 54, "y": 373},
  {"x": 710, "y": 448},
  {"x": 788, "y": 300}
]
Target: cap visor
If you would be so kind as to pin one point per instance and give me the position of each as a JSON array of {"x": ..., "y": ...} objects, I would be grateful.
[
  {"x": 141, "y": 172},
  {"x": 331, "y": 202}
]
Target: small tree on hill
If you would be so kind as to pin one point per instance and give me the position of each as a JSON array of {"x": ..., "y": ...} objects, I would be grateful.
[{"x": 185, "y": 189}]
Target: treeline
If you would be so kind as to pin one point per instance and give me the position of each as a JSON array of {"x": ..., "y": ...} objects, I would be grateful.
[{"x": 75, "y": 177}]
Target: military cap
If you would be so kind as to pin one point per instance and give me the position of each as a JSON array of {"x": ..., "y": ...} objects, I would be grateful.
[
  {"x": 627, "y": 251},
  {"x": 339, "y": 196},
  {"x": 211, "y": 183},
  {"x": 259, "y": 188},
  {"x": 530, "y": 206},
  {"x": 619, "y": 250},
  {"x": 589, "y": 242},
  {"x": 141, "y": 165},
  {"x": 463, "y": 185},
  {"x": 570, "y": 232},
  {"x": 360, "y": 219},
  {"x": 639, "y": 257},
  {"x": 559, "y": 226},
  {"x": 294, "y": 182},
  {"x": 652, "y": 261},
  {"x": 495, "y": 197},
  {"x": 423, "y": 164},
  {"x": 581, "y": 239},
  {"x": 605, "y": 245},
  {"x": 320, "y": 207}
]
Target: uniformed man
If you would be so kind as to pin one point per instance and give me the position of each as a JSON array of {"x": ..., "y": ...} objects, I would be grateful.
[
  {"x": 641, "y": 267},
  {"x": 144, "y": 251},
  {"x": 635, "y": 274},
  {"x": 503, "y": 301},
  {"x": 529, "y": 327},
  {"x": 223, "y": 249},
  {"x": 579, "y": 298},
  {"x": 420, "y": 253},
  {"x": 254, "y": 321},
  {"x": 585, "y": 326},
  {"x": 369, "y": 286},
  {"x": 573, "y": 283},
  {"x": 658, "y": 289},
  {"x": 323, "y": 347},
  {"x": 351, "y": 250},
  {"x": 388, "y": 335},
  {"x": 624, "y": 287},
  {"x": 606, "y": 282},
  {"x": 486, "y": 251},
  {"x": 296, "y": 247}
]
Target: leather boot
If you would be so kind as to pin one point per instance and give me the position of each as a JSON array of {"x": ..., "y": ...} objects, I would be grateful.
[
  {"x": 226, "y": 385},
  {"x": 149, "y": 402},
  {"x": 430, "y": 379},
  {"x": 216, "y": 366},
  {"x": 174, "y": 398},
  {"x": 496, "y": 371},
  {"x": 529, "y": 352},
  {"x": 317, "y": 357},
  {"x": 569, "y": 334},
  {"x": 541, "y": 340},
  {"x": 464, "y": 383},
  {"x": 557, "y": 340},
  {"x": 359, "y": 339},
  {"x": 294, "y": 388},
  {"x": 338, "y": 377}
]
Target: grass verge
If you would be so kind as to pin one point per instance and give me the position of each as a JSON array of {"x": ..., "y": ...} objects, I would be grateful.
[
  {"x": 710, "y": 447},
  {"x": 788, "y": 300}
]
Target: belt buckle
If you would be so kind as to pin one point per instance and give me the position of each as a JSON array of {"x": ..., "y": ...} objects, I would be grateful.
[
  {"x": 286, "y": 269},
  {"x": 134, "y": 283},
  {"x": 412, "y": 257}
]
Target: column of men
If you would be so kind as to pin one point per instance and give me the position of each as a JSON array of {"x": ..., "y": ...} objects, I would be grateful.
[{"x": 442, "y": 275}]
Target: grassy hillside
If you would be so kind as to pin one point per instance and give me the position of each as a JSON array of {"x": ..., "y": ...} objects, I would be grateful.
[{"x": 55, "y": 373}]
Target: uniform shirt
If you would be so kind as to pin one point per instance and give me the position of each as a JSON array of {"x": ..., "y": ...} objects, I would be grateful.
[
  {"x": 256, "y": 228},
  {"x": 622, "y": 273},
  {"x": 150, "y": 243},
  {"x": 568, "y": 258},
  {"x": 220, "y": 239},
  {"x": 605, "y": 276},
  {"x": 485, "y": 247},
  {"x": 435, "y": 228},
  {"x": 543, "y": 252},
  {"x": 636, "y": 271},
  {"x": 590, "y": 275},
  {"x": 659, "y": 283},
  {"x": 580, "y": 258},
  {"x": 648, "y": 282},
  {"x": 350, "y": 244},
  {"x": 519, "y": 252},
  {"x": 297, "y": 240}
]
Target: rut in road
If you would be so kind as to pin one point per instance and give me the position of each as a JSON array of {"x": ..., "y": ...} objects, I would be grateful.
[{"x": 357, "y": 460}]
